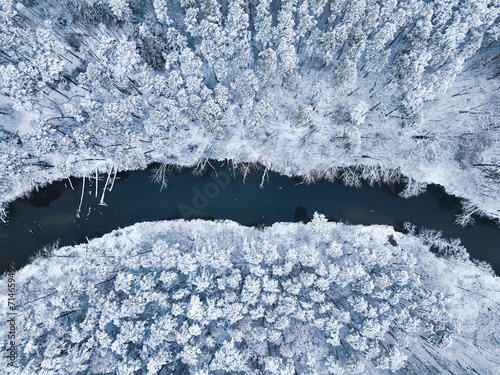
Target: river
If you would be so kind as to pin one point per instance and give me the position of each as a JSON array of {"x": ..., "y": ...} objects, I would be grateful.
[{"x": 50, "y": 214}]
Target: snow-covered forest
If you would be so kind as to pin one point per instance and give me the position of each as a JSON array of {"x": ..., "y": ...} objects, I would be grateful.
[
  {"x": 358, "y": 90},
  {"x": 203, "y": 297},
  {"x": 400, "y": 88}
]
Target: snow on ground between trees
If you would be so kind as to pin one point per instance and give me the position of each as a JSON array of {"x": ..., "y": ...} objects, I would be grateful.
[{"x": 206, "y": 297}]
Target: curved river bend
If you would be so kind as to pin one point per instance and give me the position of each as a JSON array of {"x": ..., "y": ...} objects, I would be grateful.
[{"x": 50, "y": 214}]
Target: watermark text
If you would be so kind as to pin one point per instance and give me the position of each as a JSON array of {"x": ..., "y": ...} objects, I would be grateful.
[
  {"x": 11, "y": 315},
  {"x": 201, "y": 198}
]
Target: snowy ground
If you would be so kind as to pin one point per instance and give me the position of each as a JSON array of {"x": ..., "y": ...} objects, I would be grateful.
[{"x": 89, "y": 307}]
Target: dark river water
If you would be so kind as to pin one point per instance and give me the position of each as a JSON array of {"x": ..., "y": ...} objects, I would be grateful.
[{"x": 50, "y": 214}]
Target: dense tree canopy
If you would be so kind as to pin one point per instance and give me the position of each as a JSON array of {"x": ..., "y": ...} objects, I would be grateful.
[
  {"x": 397, "y": 84},
  {"x": 216, "y": 298}
]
